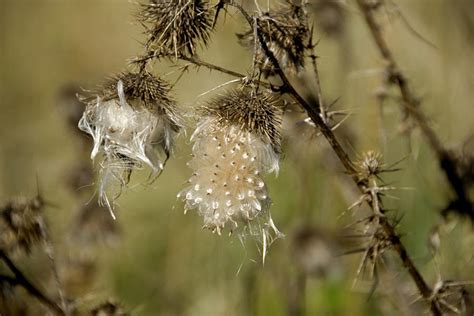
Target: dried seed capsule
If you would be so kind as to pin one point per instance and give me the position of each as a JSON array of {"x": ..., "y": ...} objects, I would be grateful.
[
  {"x": 21, "y": 223},
  {"x": 176, "y": 26},
  {"x": 241, "y": 118},
  {"x": 286, "y": 34},
  {"x": 133, "y": 123}
]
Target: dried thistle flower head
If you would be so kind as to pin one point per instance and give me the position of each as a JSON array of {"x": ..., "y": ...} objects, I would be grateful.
[
  {"x": 21, "y": 223},
  {"x": 176, "y": 26},
  {"x": 370, "y": 164},
  {"x": 286, "y": 34},
  {"x": 235, "y": 143},
  {"x": 133, "y": 123}
]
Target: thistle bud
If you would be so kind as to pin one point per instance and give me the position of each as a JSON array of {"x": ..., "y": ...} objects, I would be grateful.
[
  {"x": 286, "y": 34},
  {"x": 133, "y": 123},
  {"x": 21, "y": 223},
  {"x": 235, "y": 143},
  {"x": 176, "y": 25}
]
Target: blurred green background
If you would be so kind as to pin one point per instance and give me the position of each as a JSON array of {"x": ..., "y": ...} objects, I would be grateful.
[{"x": 164, "y": 263}]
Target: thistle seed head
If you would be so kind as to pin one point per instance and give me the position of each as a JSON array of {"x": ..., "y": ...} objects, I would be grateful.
[
  {"x": 255, "y": 112},
  {"x": 176, "y": 26},
  {"x": 21, "y": 223},
  {"x": 232, "y": 150},
  {"x": 132, "y": 125},
  {"x": 286, "y": 34}
]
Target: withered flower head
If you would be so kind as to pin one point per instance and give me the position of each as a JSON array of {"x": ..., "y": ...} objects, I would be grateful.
[
  {"x": 176, "y": 26},
  {"x": 370, "y": 164},
  {"x": 235, "y": 143},
  {"x": 133, "y": 122},
  {"x": 286, "y": 34},
  {"x": 254, "y": 112},
  {"x": 21, "y": 223}
]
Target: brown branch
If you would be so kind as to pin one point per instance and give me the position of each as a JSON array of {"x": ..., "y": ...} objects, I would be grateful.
[
  {"x": 313, "y": 113},
  {"x": 410, "y": 104},
  {"x": 22, "y": 281},
  {"x": 201, "y": 63}
]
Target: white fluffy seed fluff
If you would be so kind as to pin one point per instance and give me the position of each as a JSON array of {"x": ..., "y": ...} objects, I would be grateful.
[
  {"x": 227, "y": 186},
  {"x": 124, "y": 136}
]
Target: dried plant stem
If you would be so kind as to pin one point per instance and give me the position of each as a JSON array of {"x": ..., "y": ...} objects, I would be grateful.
[
  {"x": 49, "y": 250},
  {"x": 313, "y": 113},
  {"x": 322, "y": 109},
  {"x": 201, "y": 63},
  {"x": 196, "y": 61},
  {"x": 410, "y": 104},
  {"x": 20, "y": 279}
]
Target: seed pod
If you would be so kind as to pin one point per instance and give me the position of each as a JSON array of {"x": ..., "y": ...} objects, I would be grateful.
[
  {"x": 21, "y": 223},
  {"x": 176, "y": 25},
  {"x": 133, "y": 123},
  {"x": 235, "y": 143},
  {"x": 286, "y": 34}
]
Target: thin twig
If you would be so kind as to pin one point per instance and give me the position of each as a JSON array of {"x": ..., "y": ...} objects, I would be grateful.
[
  {"x": 49, "y": 250},
  {"x": 322, "y": 109},
  {"x": 201, "y": 63},
  {"x": 410, "y": 104},
  {"x": 22, "y": 281}
]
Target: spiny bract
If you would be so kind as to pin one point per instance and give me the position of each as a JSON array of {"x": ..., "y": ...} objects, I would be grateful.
[
  {"x": 176, "y": 25},
  {"x": 286, "y": 34}
]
